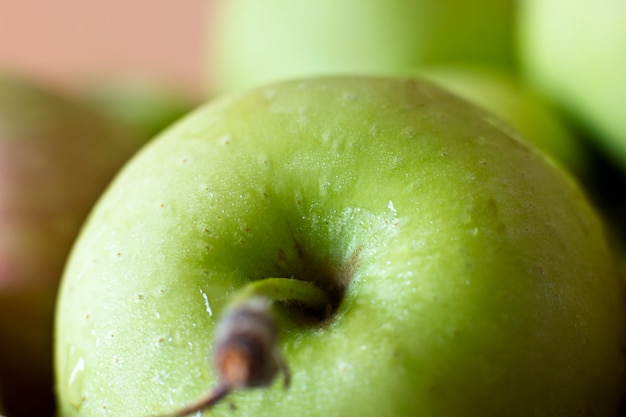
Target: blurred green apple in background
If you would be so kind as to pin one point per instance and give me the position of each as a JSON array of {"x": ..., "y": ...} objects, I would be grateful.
[
  {"x": 56, "y": 157},
  {"x": 575, "y": 53},
  {"x": 254, "y": 42},
  {"x": 532, "y": 116},
  {"x": 147, "y": 105},
  {"x": 469, "y": 273}
]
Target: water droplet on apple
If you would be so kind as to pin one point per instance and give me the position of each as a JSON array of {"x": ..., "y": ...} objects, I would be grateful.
[
  {"x": 75, "y": 379},
  {"x": 323, "y": 187},
  {"x": 206, "y": 303},
  {"x": 269, "y": 94},
  {"x": 264, "y": 161},
  {"x": 225, "y": 140},
  {"x": 345, "y": 368},
  {"x": 409, "y": 132},
  {"x": 180, "y": 340},
  {"x": 349, "y": 96}
]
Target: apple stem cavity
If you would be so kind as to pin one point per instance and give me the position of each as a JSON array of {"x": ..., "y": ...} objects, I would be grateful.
[{"x": 247, "y": 352}]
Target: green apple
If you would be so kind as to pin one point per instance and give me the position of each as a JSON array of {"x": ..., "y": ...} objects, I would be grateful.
[
  {"x": 469, "y": 274},
  {"x": 575, "y": 53},
  {"x": 146, "y": 104},
  {"x": 532, "y": 116},
  {"x": 56, "y": 157},
  {"x": 254, "y": 42}
]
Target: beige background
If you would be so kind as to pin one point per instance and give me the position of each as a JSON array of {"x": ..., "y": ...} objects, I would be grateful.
[{"x": 65, "y": 42}]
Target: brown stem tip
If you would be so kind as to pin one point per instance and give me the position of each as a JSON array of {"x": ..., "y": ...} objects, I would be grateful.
[{"x": 246, "y": 353}]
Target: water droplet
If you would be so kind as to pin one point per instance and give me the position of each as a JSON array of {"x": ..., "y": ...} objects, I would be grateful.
[
  {"x": 225, "y": 140},
  {"x": 264, "y": 160},
  {"x": 269, "y": 94},
  {"x": 206, "y": 303},
  {"x": 75, "y": 379},
  {"x": 409, "y": 132}
]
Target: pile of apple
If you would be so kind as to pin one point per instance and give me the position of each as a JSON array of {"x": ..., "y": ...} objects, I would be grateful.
[{"x": 424, "y": 194}]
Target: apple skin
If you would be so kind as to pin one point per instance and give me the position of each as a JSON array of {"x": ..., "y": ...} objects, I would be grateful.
[
  {"x": 477, "y": 278},
  {"x": 528, "y": 113},
  {"x": 56, "y": 157},
  {"x": 252, "y": 43},
  {"x": 575, "y": 54}
]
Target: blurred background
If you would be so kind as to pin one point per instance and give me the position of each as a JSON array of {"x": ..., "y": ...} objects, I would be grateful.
[{"x": 66, "y": 42}]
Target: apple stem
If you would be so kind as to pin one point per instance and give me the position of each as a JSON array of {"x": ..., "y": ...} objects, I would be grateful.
[
  {"x": 247, "y": 352},
  {"x": 286, "y": 290},
  {"x": 203, "y": 403}
]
